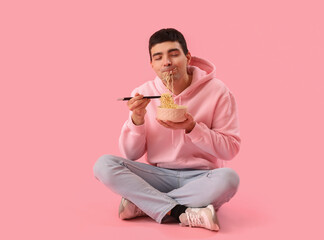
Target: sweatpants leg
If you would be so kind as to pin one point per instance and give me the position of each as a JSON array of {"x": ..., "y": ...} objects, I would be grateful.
[
  {"x": 157, "y": 190},
  {"x": 143, "y": 184},
  {"x": 201, "y": 188}
]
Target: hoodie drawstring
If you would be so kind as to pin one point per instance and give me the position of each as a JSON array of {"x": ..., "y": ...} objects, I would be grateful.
[{"x": 172, "y": 136}]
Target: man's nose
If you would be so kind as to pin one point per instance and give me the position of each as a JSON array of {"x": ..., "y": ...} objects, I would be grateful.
[{"x": 167, "y": 62}]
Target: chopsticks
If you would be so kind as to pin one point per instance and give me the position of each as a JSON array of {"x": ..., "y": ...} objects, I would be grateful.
[{"x": 129, "y": 98}]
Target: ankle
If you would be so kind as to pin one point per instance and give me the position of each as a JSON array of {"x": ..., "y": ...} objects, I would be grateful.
[{"x": 177, "y": 211}]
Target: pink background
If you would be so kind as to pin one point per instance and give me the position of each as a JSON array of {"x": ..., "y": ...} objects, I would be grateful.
[{"x": 64, "y": 63}]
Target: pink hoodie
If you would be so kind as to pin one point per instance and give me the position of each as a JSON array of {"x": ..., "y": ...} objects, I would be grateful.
[{"x": 215, "y": 136}]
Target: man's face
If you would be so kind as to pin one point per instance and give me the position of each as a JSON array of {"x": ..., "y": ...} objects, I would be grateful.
[{"x": 169, "y": 56}]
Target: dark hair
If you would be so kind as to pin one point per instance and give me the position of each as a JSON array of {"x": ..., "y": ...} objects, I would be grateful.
[{"x": 168, "y": 34}]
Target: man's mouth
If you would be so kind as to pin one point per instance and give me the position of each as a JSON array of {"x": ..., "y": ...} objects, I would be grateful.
[{"x": 169, "y": 70}]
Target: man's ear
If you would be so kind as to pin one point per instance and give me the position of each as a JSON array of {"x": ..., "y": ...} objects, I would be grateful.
[{"x": 188, "y": 56}]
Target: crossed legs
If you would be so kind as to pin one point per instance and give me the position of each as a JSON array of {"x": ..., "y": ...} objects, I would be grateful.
[{"x": 157, "y": 190}]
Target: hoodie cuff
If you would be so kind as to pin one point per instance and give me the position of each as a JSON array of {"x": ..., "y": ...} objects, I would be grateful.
[
  {"x": 196, "y": 133},
  {"x": 137, "y": 129}
]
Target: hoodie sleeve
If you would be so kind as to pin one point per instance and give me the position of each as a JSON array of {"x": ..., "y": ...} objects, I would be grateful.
[
  {"x": 132, "y": 139},
  {"x": 222, "y": 140}
]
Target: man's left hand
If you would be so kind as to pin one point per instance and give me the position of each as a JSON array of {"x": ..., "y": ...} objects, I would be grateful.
[{"x": 187, "y": 124}]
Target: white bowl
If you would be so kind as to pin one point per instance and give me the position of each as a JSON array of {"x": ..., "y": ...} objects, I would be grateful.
[{"x": 172, "y": 114}]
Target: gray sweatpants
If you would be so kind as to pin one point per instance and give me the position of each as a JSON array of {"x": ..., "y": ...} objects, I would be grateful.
[{"x": 157, "y": 190}]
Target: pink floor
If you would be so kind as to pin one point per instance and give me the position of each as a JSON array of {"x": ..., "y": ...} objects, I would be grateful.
[{"x": 273, "y": 202}]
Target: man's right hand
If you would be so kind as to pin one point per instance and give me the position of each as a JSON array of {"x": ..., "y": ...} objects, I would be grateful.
[{"x": 137, "y": 105}]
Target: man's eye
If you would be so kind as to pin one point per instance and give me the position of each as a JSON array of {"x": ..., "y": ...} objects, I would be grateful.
[
  {"x": 158, "y": 58},
  {"x": 174, "y": 55}
]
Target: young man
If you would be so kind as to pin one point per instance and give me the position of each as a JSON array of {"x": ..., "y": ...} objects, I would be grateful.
[{"x": 185, "y": 178}]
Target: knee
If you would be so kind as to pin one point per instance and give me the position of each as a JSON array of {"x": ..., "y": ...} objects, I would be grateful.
[
  {"x": 231, "y": 179},
  {"x": 226, "y": 184},
  {"x": 103, "y": 165}
]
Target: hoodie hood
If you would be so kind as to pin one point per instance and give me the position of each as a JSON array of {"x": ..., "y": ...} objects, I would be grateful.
[{"x": 202, "y": 71}]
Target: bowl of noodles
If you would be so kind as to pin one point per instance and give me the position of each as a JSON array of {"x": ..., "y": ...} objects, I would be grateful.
[{"x": 170, "y": 111}]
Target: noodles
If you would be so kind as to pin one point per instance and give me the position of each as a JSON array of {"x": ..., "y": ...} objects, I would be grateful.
[
  {"x": 167, "y": 101},
  {"x": 168, "y": 110},
  {"x": 166, "y": 98},
  {"x": 168, "y": 78}
]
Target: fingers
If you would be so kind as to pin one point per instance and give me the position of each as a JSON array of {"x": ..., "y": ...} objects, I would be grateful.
[
  {"x": 188, "y": 123},
  {"x": 146, "y": 102},
  {"x": 140, "y": 105},
  {"x": 138, "y": 102},
  {"x": 135, "y": 98},
  {"x": 164, "y": 124},
  {"x": 172, "y": 125},
  {"x": 188, "y": 116}
]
